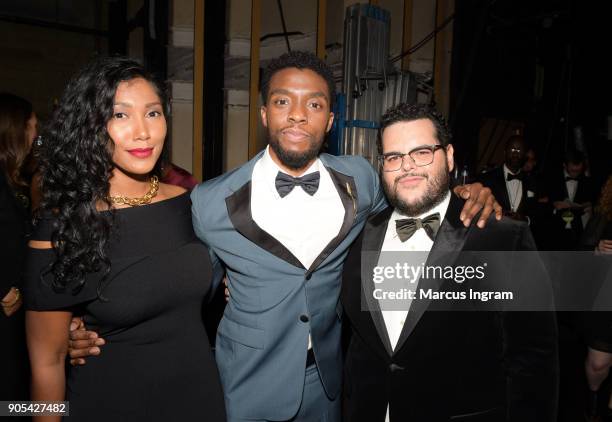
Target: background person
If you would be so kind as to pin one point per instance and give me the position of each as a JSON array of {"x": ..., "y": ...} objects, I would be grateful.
[{"x": 17, "y": 131}]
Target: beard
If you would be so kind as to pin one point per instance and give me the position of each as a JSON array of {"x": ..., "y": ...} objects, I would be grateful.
[
  {"x": 435, "y": 191},
  {"x": 295, "y": 160}
]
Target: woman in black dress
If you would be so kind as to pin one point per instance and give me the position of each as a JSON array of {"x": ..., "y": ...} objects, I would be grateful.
[
  {"x": 17, "y": 131},
  {"x": 116, "y": 246},
  {"x": 598, "y": 324}
]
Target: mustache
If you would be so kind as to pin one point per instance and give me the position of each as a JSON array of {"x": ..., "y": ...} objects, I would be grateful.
[
  {"x": 295, "y": 128},
  {"x": 403, "y": 176}
]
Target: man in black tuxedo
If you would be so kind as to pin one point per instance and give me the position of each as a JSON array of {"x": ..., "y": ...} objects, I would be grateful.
[
  {"x": 432, "y": 362},
  {"x": 515, "y": 189},
  {"x": 571, "y": 194}
]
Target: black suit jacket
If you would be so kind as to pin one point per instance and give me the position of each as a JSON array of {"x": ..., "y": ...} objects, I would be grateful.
[
  {"x": 448, "y": 365},
  {"x": 13, "y": 231},
  {"x": 496, "y": 181},
  {"x": 562, "y": 237},
  {"x": 585, "y": 191}
]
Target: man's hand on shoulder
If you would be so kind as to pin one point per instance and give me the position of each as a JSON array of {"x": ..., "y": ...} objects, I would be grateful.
[
  {"x": 516, "y": 216},
  {"x": 477, "y": 197},
  {"x": 82, "y": 343}
]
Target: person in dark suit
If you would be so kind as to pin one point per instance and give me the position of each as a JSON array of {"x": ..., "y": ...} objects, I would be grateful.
[
  {"x": 514, "y": 187},
  {"x": 571, "y": 194},
  {"x": 429, "y": 361},
  {"x": 17, "y": 131}
]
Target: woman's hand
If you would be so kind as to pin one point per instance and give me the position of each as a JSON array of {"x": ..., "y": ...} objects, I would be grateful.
[{"x": 12, "y": 301}]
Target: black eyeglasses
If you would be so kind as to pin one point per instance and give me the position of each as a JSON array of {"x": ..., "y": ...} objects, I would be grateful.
[{"x": 421, "y": 156}]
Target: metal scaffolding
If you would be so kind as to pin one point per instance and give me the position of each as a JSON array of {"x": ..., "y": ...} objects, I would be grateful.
[{"x": 370, "y": 84}]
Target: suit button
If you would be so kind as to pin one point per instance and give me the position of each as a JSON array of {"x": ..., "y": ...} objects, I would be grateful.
[
  {"x": 395, "y": 367},
  {"x": 304, "y": 318}
]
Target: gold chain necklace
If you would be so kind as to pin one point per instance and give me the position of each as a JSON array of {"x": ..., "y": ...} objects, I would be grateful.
[{"x": 135, "y": 202}]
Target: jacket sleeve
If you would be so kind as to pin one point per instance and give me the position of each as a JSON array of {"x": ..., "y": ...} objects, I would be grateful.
[
  {"x": 218, "y": 271},
  {"x": 531, "y": 353},
  {"x": 12, "y": 242},
  {"x": 379, "y": 201}
]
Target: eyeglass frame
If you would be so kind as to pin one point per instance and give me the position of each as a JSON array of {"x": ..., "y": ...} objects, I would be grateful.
[{"x": 432, "y": 148}]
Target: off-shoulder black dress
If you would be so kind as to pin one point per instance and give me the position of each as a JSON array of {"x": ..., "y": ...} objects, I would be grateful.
[{"x": 157, "y": 364}]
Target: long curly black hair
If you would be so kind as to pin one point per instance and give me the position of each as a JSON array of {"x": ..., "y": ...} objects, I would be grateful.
[{"x": 76, "y": 164}]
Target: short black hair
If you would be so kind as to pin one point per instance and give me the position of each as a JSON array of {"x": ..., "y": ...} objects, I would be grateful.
[
  {"x": 514, "y": 138},
  {"x": 573, "y": 156},
  {"x": 405, "y": 112},
  {"x": 299, "y": 60}
]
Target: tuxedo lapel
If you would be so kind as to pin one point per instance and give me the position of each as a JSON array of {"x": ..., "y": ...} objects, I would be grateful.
[
  {"x": 347, "y": 190},
  {"x": 564, "y": 188},
  {"x": 373, "y": 238},
  {"x": 502, "y": 188},
  {"x": 583, "y": 191},
  {"x": 445, "y": 250},
  {"x": 239, "y": 210},
  {"x": 238, "y": 205}
]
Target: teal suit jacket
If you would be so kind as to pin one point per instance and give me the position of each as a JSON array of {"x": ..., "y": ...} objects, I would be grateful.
[{"x": 275, "y": 302}]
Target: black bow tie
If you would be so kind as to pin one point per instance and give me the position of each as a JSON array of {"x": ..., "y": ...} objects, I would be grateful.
[
  {"x": 517, "y": 176},
  {"x": 408, "y": 226},
  {"x": 285, "y": 183},
  {"x": 568, "y": 178}
]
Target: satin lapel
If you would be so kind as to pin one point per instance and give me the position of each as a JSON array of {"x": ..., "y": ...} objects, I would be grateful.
[
  {"x": 503, "y": 187},
  {"x": 239, "y": 211},
  {"x": 445, "y": 250},
  {"x": 345, "y": 185},
  {"x": 373, "y": 238}
]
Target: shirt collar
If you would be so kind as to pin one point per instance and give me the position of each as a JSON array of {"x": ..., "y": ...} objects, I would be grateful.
[
  {"x": 566, "y": 174},
  {"x": 271, "y": 169},
  {"x": 441, "y": 208},
  {"x": 508, "y": 171}
]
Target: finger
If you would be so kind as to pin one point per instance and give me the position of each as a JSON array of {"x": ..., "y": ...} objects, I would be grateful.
[
  {"x": 76, "y": 323},
  {"x": 499, "y": 211},
  {"x": 77, "y": 362},
  {"x": 486, "y": 212},
  {"x": 84, "y": 344},
  {"x": 465, "y": 216},
  {"x": 83, "y": 335},
  {"x": 474, "y": 209},
  {"x": 75, "y": 347},
  {"x": 462, "y": 191},
  {"x": 83, "y": 353},
  {"x": 484, "y": 203}
]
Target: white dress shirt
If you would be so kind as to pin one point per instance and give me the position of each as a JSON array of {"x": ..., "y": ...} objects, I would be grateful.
[
  {"x": 514, "y": 188},
  {"x": 572, "y": 187},
  {"x": 304, "y": 224},
  {"x": 419, "y": 242}
]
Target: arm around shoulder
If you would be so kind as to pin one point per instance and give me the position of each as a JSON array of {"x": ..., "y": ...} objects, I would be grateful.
[{"x": 379, "y": 201}]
